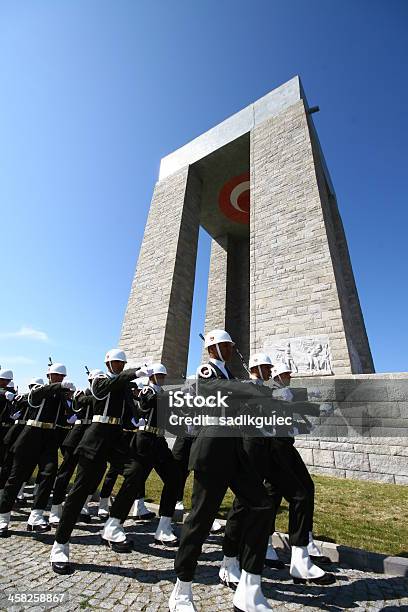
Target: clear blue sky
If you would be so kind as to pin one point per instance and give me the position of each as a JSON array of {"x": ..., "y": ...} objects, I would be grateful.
[{"x": 94, "y": 93}]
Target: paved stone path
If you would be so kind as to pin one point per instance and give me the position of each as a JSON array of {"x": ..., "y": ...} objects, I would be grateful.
[{"x": 143, "y": 579}]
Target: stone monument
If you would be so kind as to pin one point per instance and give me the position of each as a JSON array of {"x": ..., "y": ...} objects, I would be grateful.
[{"x": 280, "y": 274}]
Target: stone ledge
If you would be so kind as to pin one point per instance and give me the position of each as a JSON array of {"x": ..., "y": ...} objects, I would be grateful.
[{"x": 356, "y": 558}]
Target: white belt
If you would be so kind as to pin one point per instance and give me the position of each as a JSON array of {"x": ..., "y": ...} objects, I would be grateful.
[{"x": 98, "y": 418}]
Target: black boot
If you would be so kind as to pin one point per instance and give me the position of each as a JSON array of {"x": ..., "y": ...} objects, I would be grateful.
[
  {"x": 62, "y": 568},
  {"x": 323, "y": 580},
  {"x": 119, "y": 547}
]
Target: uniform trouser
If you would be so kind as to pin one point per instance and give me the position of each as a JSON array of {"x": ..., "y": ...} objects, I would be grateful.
[
  {"x": 7, "y": 462},
  {"x": 64, "y": 475},
  {"x": 113, "y": 472},
  {"x": 138, "y": 471},
  {"x": 109, "y": 481},
  {"x": 209, "y": 489},
  {"x": 290, "y": 478},
  {"x": 286, "y": 476},
  {"x": 89, "y": 473},
  {"x": 3, "y": 448},
  {"x": 6, "y": 468},
  {"x": 40, "y": 449},
  {"x": 61, "y": 433},
  {"x": 181, "y": 454}
]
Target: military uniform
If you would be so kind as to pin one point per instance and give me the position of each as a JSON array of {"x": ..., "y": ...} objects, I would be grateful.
[
  {"x": 5, "y": 421},
  {"x": 36, "y": 445},
  {"x": 21, "y": 411},
  {"x": 83, "y": 409},
  {"x": 102, "y": 442},
  {"x": 149, "y": 450},
  {"x": 219, "y": 461}
]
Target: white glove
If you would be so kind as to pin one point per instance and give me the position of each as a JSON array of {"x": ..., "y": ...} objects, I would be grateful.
[
  {"x": 71, "y": 420},
  {"x": 144, "y": 372},
  {"x": 283, "y": 394},
  {"x": 9, "y": 396},
  {"x": 16, "y": 415}
]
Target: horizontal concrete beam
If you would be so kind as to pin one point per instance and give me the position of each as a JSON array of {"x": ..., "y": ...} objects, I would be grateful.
[{"x": 270, "y": 105}]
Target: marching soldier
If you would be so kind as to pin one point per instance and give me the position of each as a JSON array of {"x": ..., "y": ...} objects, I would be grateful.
[
  {"x": 149, "y": 450},
  {"x": 21, "y": 413},
  {"x": 36, "y": 445},
  {"x": 6, "y": 397},
  {"x": 219, "y": 462},
  {"x": 290, "y": 478},
  {"x": 130, "y": 427},
  {"x": 270, "y": 462},
  {"x": 82, "y": 409},
  {"x": 66, "y": 416},
  {"x": 102, "y": 442}
]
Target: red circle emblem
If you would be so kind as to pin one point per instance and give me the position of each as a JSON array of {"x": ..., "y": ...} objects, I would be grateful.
[{"x": 234, "y": 199}]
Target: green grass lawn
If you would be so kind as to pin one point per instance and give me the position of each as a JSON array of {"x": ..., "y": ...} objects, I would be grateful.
[
  {"x": 367, "y": 515},
  {"x": 356, "y": 513}
]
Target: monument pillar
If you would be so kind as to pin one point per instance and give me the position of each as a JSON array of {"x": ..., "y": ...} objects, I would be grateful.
[
  {"x": 228, "y": 293},
  {"x": 157, "y": 321},
  {"x": 303, "y": 297}
]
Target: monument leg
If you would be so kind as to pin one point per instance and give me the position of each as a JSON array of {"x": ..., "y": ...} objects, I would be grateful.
[{"x": 158, "y": 315}]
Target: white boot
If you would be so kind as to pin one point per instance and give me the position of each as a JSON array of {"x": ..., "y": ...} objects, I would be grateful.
[
  {"x": 4, "y": 521},
  {"x": 272, "y": 559},
  {"x": 312, "y": 547},
  {"x": 36, "y": 518},
  {"x": 21, "y": 496},
  {"x": 230, "y": 572},
  {"x": 249, "y": 597},
  {"x": 60, "y": 558},
  {"x": 85, "y": 510},
  {"x": 216, "y": 527},
  {"x": 179, "y": 506},
  {"x": 37, "y": 522},
  {"x": 140, "y": 509},
  {"x": 164, "y": 533},
  {"x": 301, "y": 565},
  {"x": 59, "y": 553},
  {"x": 181, "y": 598},
  {"x": 113, "y": 531},
  {"x": 55, "y": 514},
  {"x": 103, "y": 510}
]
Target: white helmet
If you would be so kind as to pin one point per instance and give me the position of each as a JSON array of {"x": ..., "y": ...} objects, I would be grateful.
[
  {"x": 215, "y": 336},
  {"x": 156, "y": 368},
  {"x": 57, "y": 368},
  {"x": 94, "y": 373},
  {"x": 115, "y": 355},
  {"x": 258, "y": 359},
  {"x": 69, "y": 385},
  {"x": 281, "y": 369},
  {"x": 35, "y": 381},
  {"x": 6, "y": 374}
]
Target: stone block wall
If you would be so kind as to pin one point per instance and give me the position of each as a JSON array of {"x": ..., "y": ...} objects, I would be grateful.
[{"x": 380, "y": 457}]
